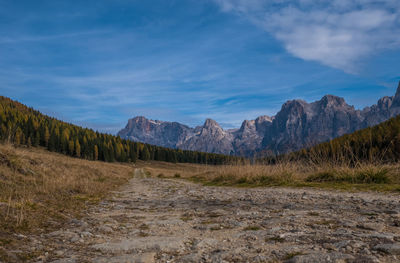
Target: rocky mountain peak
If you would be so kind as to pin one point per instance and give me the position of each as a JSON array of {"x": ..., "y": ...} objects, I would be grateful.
[
  {"x": 247, "y": 125},
  {"x": 293, "y": 104},
  {"x": 385, "y": 102},
  {"x": 141, "y": 120},
  {"x": 138, "y": 119},
  {"x": 264, "y": 118},
  {"x": 292, "y": 109},
  {"x": 396, "y": 99},
  {"x": 298, "y": 124},
  {"x": 210, "y": 123},
  {"x": 332, "y": 100}
]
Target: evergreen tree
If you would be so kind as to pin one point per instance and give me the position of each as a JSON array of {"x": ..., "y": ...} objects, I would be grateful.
[
  {"x": 24, "y": 126},
  {"x": 96, "y": 153},
  {"x": 77, "y": 149}
]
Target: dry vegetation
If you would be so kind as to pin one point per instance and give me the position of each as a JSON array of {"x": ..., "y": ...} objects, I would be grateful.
[
  {"x": 362, "y": 177},
  {"x": 39, "y": 190}
]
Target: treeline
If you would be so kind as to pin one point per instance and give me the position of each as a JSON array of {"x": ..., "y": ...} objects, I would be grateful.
[
  {"x": 378, "y": 144},
  {"x": 22, "y": 125}
]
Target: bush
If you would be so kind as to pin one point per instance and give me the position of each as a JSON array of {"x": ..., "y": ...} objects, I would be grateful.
[
  {"x": 367, "y": 176},
  {"x": 241, "y": 180},
  {"x": 265, "y": 180},
  {"x": 322, "y": 177},
  {"x": 177, "y": 175},
  {"x": 224, "y": 178},
  {"x": 372, "y": 177}
]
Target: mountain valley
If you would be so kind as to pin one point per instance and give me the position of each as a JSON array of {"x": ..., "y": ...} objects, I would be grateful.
[{"x": 297, "y": 125}]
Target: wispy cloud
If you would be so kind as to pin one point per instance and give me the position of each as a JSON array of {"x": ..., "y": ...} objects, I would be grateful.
[
  {"x": 41, "y": 38},
  {"x": 100, "y": 63},
  {"x": 339, "y": 33}
]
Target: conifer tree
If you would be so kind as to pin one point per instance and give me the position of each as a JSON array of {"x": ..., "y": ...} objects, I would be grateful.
[
  {"x": 77, "y": 148},
  {"x": 24, "y": 126},
  {"x": 96, "y": 153}
]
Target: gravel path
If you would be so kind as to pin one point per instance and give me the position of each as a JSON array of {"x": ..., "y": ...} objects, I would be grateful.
[{"x": 164, "y": 220}]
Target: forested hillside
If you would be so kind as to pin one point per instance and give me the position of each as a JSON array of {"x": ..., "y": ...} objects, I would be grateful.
[
  {"x": 378, "y": 144},
  {"x": 22, "y": 125}
]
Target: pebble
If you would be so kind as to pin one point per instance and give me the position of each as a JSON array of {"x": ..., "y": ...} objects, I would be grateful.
[
  {"x": 162, "y": 220},
  {"x": 393, "y": 249}
]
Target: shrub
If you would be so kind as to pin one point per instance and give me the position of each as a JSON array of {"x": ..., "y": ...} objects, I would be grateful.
[
  {"x": 224, "y": 178},
  {"x": 372, "y": 177},
  {"x": 322, "y": 177},
  {"x": 241, "y": 180},
  {"x": 366, "y": 176}
]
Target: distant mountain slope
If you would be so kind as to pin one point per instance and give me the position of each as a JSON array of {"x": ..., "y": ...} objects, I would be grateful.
[
  {"x": 21, "y": 125},
  {"x": 380, "y": 144},
  {"x": 297, "y": 125},
  {"x": 209, "y": 137}
]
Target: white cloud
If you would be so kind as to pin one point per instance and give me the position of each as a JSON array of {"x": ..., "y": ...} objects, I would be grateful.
[{"x": 339, "y": 33}]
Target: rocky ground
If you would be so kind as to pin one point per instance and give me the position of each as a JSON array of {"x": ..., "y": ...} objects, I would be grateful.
[{"x": 165, "y": 220}]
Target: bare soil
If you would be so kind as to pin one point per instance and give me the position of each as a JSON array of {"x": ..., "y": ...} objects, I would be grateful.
[{"x": 173, "y": 220}]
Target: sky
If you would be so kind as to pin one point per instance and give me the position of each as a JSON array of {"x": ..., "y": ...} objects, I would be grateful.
[{"x": 99, "y": 63}]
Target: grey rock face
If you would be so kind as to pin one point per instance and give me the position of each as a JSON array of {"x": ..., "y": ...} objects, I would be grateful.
[
  {"x": 297, "y": 125},
  {"x": 168, "y": 134},
  {"x": 209, "y": 137},
  {"x": 300, "y": 124},
  {"x": 247, "y": 140}
]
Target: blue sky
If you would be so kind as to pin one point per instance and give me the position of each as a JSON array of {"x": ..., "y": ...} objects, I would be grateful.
[{"x": 98, "y": 63}]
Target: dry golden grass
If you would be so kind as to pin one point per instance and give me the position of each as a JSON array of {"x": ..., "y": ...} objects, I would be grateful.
[
  {"x": 363, "y": 177},
  {"x": 40, "y": 190},
  {"x": 164, "y": 169}
]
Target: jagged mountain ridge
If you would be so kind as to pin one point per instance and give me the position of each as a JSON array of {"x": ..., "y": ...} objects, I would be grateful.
[
  {"x": 297, "y": 125},
  {"x": 210, "y": 137}
]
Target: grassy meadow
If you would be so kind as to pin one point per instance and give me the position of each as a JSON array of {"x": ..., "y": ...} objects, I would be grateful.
[
  {"x": 40, "y": 190},
  {"x": 360, "y": 177}
]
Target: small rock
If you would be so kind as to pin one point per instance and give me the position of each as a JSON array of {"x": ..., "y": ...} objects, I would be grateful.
[
  {"x": 86, "y": 234},
  {"x": 371, "y": 226},
  {"x": 105, "y": 229},
  {"x": 341, "y": 244},
  {"x": 391, "y": 212},
  {"x": 365, "y": 259},
  {"x": 74, "y": 239},
  {"x": 392, "y": 249},
  {"x": 190, "y": 258},
  {"x": 333, "y": 257},
  {"x": 79, "y": 223},
  {"x": 64, "y": 260}
]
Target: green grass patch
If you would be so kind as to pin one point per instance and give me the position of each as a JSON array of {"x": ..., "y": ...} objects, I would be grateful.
[
  {"x": 312, "y": 213},
  {"x": 275, "y": 239},
  {"x": 372, "y": 178},
  {"x": 143, "y": 234},
  {"x": 292, "y": 255},
  {"x": 368, "y": 176},
  {"x": 252, "y": 228}
]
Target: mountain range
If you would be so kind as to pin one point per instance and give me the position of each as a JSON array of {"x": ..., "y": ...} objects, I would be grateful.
[{"x": 297, "y": 125}]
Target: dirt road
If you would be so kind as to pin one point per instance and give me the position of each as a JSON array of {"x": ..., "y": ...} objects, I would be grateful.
[{"x": 165, "y": 220}]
